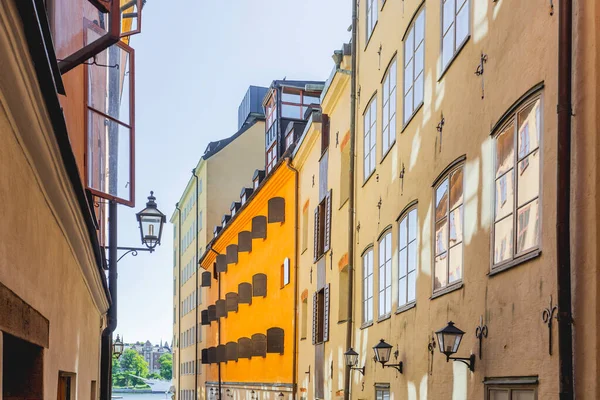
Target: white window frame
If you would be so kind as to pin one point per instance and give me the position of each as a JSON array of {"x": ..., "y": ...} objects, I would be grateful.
[
  {"x": 412, "y": 77},
  {"x": 390, "y": 104},
  {"x": 457, "y": 43},
  {"x": 372, "y": 14},
  {"x": 367, "y": 287},
  {"x": 385, "y": 275},
  {"x": 370, "y": 138},
  {"x": 404, "y": 256}
]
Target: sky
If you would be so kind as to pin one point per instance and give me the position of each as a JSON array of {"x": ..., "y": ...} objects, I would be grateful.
[{"x": 194, "y": 61}]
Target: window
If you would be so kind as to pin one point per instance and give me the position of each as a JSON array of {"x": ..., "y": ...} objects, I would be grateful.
[
  {"x": 448, "y": 233},
  {"x": 295, "y": 102},
  {"x": 285, "y": 272},
  {"x": 382, "y": 392},
  {"x": 510, "y": 391},
  {"x": 385, "y": 275},
  {"x": 407, "y": 258},
  {"x": 455, "y": 28},
  {"x": 345, "y": 170},
  {"x": 305, "y": 227},
  {"x": 321, "y": 315},
  {"x": 304, "y": 326},
  {"x": 200, "y": 221},
  {"x": 289, "y": 140},
  {"x": 370, "y": 139},
  {"x": 517, "y": 188},
  {"x": 271, "y": 157},
  {"x": 322, "y": 227},
  {"x": 367, "y": 292},
  {"x": 271, "y": 110},
  {"x": 372, "y": 11},
  {"x": 389, "y": 108},
  {"x": 414, "y": 59}
]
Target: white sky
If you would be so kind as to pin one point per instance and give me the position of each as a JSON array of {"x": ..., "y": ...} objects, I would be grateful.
[{"x": 194, "y": 62}]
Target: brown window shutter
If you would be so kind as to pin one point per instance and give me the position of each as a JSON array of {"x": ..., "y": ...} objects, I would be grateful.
[
  {"x": 244, "y": 348},
  {"x": 212, "y": 355},
  {"x": 259, "y": 285},
  {"x": 221, "y": 308},
  {"x": 327, "y": 239},
  {"x": 276, "y": 209},
  {"x": 221, "y": 353},
  {"x": 245, "y": 293},
  {"x": 245, "y": 241},
  {"x": 326, "y": 315},
  {"x": 259, "y": 227},
  {"x": 204, "y": 317},
  {"x": 232, "y": 254},
  {"x": 259, "y": 345},
  {"x": 221, "y": 263},
  {"x": 206, "y": 277},
  {"x": 316, "y": 235},
  {"x": 232, "y": 301},
  {"x": 204, "y": 356},
  {"x": 314, "y": 319},
  {"x": 212, "y": 313},
  {"x": 232, "y": 351},
  {"x": 275, "y": 340}
]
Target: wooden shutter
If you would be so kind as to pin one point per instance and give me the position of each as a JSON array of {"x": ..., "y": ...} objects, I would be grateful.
[
  {"x": 327, "y": 239},
  {"x": 221, "y": 263},
  {"x": 204, "y": 317},
  {"x": 212, "y": 355},
  {"x": 221, "y": 353},
  {"x": 245, "y": 293},
  {"x": 245, "y": 241},
  {"x": 212, "y": 313},
  {"x": 259, "y": 345},
  {"x": 275, "y": 340},
  {"x": 259, "y": 285},
  {"x": 259, "y": 227},
  {"x": 232, "y": 254},
  {"x": 232, "y": 351},
  {"x": 221, "y": 308},
  {"x": 314, "y": 319},
  {"x": 232, "y": 301},
  {"x": 206, "y": 279},
  {"x": 326, "y": 314},
  {"x": 316, "y": 234},
  {"x": 204, "y": 356},
  {"x": 276, "y": 209},
  {"x": 244, "y": 347}
]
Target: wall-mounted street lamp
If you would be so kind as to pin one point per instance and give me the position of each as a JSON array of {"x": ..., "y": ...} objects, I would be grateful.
[
  {"x": 383, "y": 351},
  {"x": 352, "y": 360},
  {"x": 449, "y": 339},
  {"x": 118, "y": 347}
]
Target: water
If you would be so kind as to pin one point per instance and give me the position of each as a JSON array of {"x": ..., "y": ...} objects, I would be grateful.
[{"x": 142, "y": 396}]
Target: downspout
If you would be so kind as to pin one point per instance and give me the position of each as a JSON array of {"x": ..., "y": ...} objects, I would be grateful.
[
  {"x": 563, "y": 206},
  {"x": 179, "y": 300},
  {"x": 196, "y": 297},
  {"x": 111, "y": 316},
  {"x": 218, "y": 322},
  {"x": 296, "y": 261},
  {"x": 349, "y": 325}
]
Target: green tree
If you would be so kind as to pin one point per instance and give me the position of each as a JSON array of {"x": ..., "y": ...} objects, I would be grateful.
[
  {"x": 166, "y": 366},
  {"x": 132, "y": 363}
]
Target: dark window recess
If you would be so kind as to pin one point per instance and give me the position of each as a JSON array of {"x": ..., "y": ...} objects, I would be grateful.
[
  {"x": 275, "y": 340},
  {"x": 232, "y": 254},
  {"x": 232, "y": 351},
  {"x": 204, "y": 355},
  {"x": 244, "y": 348},
  {"x": 215, "y": 274},
  {"x": 325, "y": 133},
  {"x": 212, "y": 313},
  {"x": 212, "y": 355},
  {"x": 320, "y": 325},
  {"x": 206, "y": 277},
  {"x": 221, "y": 308},
  {"x": 259, "y": 285},
  {"x": 232, "y": 301},
  {"x": 276, "y": 209},
  {"x": 259, "y": 345},
  {"x": 259, "y": 227},
  {"x": 245, "y": 241},
  {"x": 245, "y": 293},
  {"x": 221, "y": 265},
  {"x": 221, "y": 353},
  {"x": 204, "y": 317},
  {"x": 322, "y": 231}
]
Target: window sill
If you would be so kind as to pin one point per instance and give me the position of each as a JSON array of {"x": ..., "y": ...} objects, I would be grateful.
[
  {"x": 448, "y": 289},
  {"x": 516, "y": 262},
  {"x": 302, "y": 338},
  {"x": 454, "y": 57},
  {"x": 366, "y": 325},
  {"x": 384, "y": 317},
  {"x": 388, "y": 151},
  {"x": 406, "y": 307},
  {"x": 371, "y": 34},
  {"x": 413, "y": 115},
  {"x": 369, "y": 177}
]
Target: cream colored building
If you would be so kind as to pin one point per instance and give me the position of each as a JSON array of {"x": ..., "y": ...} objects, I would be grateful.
[{"x": 225, "y": 167}]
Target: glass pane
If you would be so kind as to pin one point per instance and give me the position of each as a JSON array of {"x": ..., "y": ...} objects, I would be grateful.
[
  {"x": 418, "y": 89},
  {"x": 402, "y": 291},
  {"x": 456, "y": 188},
  {"x": 441, "y": 236},
  {"x": 420, "y": 28},
  {"x": 528, "y": 179},
  {"x": 392, "y": 128},
  {"x": 381, "y": 303},
  {"x": 448, "y": 46},
  {"x": 523, "y": 394},
  {"x": 402, "y": 233},
  {"x": 503, "y": 240},
  {"x": 529, "y": 129},
  {"x": 308, "y": 100},
  {"x": 108, "y": 156},
  {"x": 448, "y": 14},
  {"x": 288, "y": 111},
  {"x": 409, "y": 46},
  {"x": 291, "y": 96},
  {"x": 440, "y": 273},
  {"x": 456, "y": 234},
  {"x": 402, "y": 262},
  {"x": 462, "y": 24},
  {"x": 505, "y": 155},
  {"x": 441, "y": 200},
  {"x": 527, "y": 226},
  {"x": 455, "y": 263},
  {"x": 129, "y": 18},
  {"x": 408, "y": 105},
  {"x": 388, "y": 247},
  {"x": 504, "y": 195},
  {"x": 392, "y": 74},
  {"x": 419, "y": 59},
  {"x": 412, "y": 256},
  {"x": 388, "y": 299},
  {"x": 412, "y": 225},
  {"x": 408, "y": 76},
  {"x": 386, "y": 112},
  {"x": 499, "y": 394},
  {"x": 412, "y": 286}
]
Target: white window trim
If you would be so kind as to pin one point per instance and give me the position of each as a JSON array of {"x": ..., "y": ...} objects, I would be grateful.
[
  {"x": 370, "y": 132},
  {"x": 386, "y": 132},
  {"x": 371, "y": 17},
  {"x": 385, "y": 266},
  {"x": 367, "y": 312},
  {"x": 457, "y": 46},
  {"x": 405, "y": 217},
  {"x": 407, "y": 117}
]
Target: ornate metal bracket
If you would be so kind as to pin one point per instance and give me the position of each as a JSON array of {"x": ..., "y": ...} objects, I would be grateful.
[
  {"x": 440, "y": 128},
  {"x": 402, "y": 172},
  {"x": 479, "y": 72},
  {"x": 481, "y": 332},
  {"x": 431, "y": 349},
  {"x": 132, "y": 250},
  {"x": 547, "y": 317}
]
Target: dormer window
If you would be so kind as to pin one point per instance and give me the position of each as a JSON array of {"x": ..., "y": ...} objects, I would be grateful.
[
  {"x": 256, "y": 183},
  {"x": 244, "y": 198},
  {"x": 294, "y": 102},
  {"x": 289, "y": 139}
]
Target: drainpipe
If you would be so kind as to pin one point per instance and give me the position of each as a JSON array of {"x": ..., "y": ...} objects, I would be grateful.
[
  {"x": 196, "y": 297},
  {"x": 178, "y": 301},
  {"x": 218, "y": 322},
  {"x": 296, "y": 261},
  {"x": 349, "y": 325},
  {"x": 563, "y": 228},
  {"x": 111, "y": 316}
]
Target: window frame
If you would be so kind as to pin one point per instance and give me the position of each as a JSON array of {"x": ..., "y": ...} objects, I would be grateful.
[
  {"x": 371, "y": 5},
  {"x": 511, "y": 118},
  {"x": 412, "y": 28},
  {"x": 405, "y": 215},
  {"x": 271, "y": 157},
  {"x": 386, "y": 104},
  {"x": 387, "y": 264},
  {"x": 510, "y": 387},
  {"x": 457, "y": 46},
  {"x": 372, "y": 132},
  {"x": 365, "y": 277}
]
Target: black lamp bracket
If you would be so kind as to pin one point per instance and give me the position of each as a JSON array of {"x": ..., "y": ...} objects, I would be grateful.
[
  {"x": 132, "y": 250},
  {"x": 469, "y": 361},
  {"x": 359, "y": 369}
]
